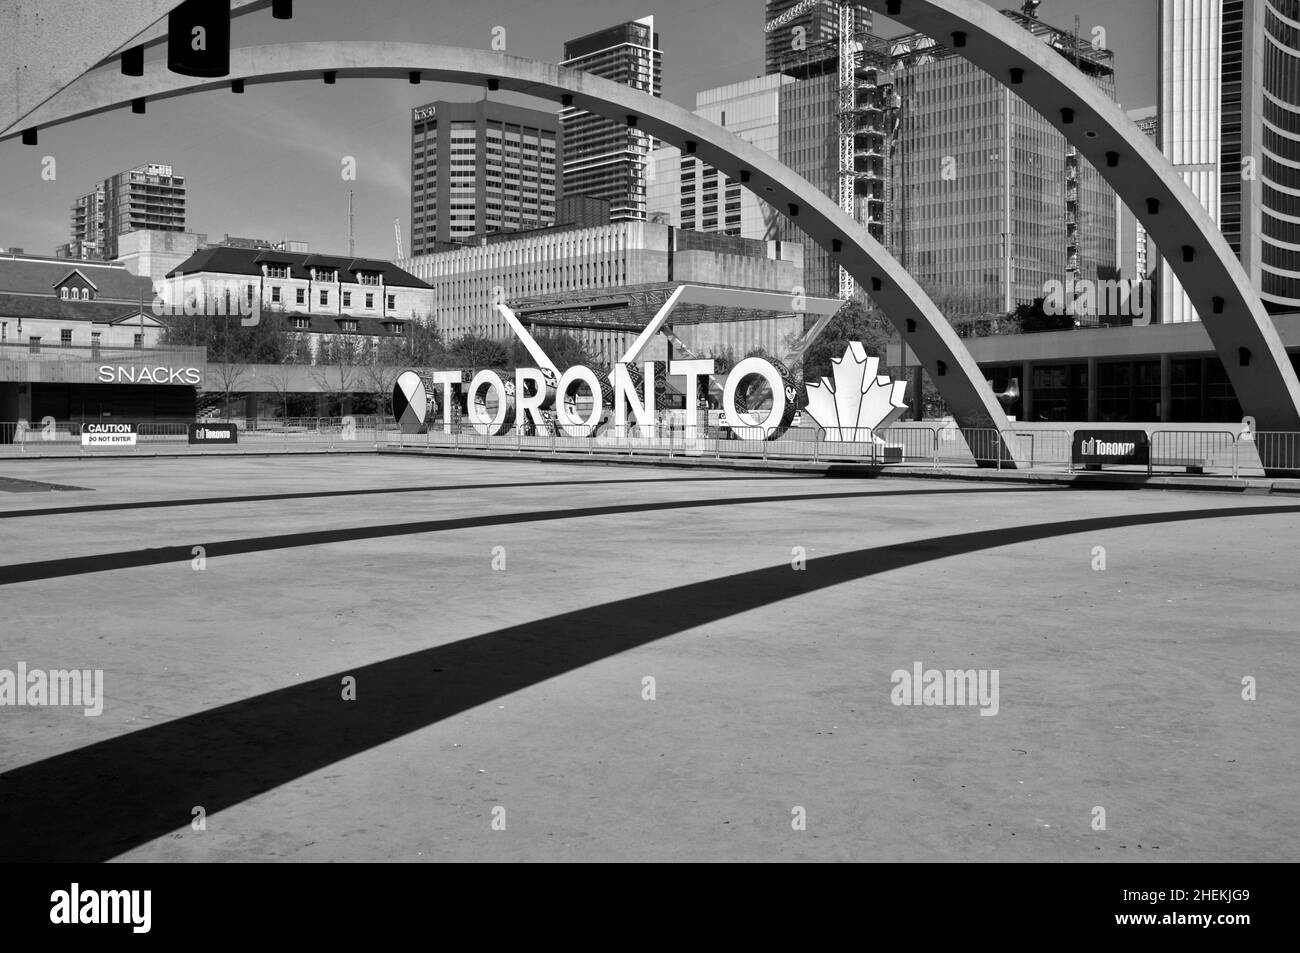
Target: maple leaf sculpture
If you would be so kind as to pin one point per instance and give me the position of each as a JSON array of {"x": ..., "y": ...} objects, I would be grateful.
[{"x": 858, "y": 401}]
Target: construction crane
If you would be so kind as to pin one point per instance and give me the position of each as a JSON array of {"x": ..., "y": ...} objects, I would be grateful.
[
  {"x": 847, "y": 50},
  {"x": 397, "y": 233}
]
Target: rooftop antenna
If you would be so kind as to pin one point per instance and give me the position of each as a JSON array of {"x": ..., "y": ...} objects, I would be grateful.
[{"x": 352, "y": 244}]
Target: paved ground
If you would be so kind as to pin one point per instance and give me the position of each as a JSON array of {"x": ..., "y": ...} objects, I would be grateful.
[{"x": 522, "y": 688}]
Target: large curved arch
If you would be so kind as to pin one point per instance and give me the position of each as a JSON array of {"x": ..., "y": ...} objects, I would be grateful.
[
  {"x": 1219, "y": 288},
  {"x": 931, "y": 338}
]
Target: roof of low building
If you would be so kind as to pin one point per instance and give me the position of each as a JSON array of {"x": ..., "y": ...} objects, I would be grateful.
[
  {"x": 222, "y": 259},
  {"x": 40, "y": 276},
  {"x": 34, "y": 306}
]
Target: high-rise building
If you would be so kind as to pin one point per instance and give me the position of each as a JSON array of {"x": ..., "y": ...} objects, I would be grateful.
[
  {"x": 1137, "y": 255},
  {"x": 149, "y": 197},
  {"x": 481, "y": 167},
  {"x": 815, "y": 114},
  {"x": 605, "y": 158},
  {"x": 795, "y": 44},
  {"x": 987, "y": 199},
  {"x": 1230, "y": 122},
  {"x": 691, "y": 194}
]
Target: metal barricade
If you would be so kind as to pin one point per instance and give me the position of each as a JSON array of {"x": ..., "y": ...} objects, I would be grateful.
[
  {"x": 919, "y": 443},
  {"x": 1036, "y": 448},
  {"x": 1271, "y": 452},
  {"x": 1194, "y": 451}
]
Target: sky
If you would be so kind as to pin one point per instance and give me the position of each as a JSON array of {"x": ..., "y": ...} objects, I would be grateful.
[{"x": 267, "y": 164}]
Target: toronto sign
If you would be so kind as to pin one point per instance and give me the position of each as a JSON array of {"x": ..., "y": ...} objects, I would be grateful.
[{"x": 852, "y": 404}]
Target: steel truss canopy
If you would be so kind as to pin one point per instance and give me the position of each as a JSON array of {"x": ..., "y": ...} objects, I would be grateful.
[{"x": 634, "y": 308}]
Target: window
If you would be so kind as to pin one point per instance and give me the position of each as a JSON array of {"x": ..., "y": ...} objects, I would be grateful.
[
  {"x": 370, "y": 300},
  {"x": 395, "y": 327},
  {"x": 302, "y": 296},
  {"x": 275, "y": 293},
  {"x": 138, "y": 341},
  {"x": 94, "y": 345},
  {"x": 392, "y": 301},
  {"x": 34, "y": 345},
  {"x": 65, "y": 337},
  {"x": 347, "y": 299},
  {"x": 63, "y": 293},
  {"x": 301, "y": 324},
  {"x": 324, "y": 298},
  {"x": 277, "y": 271},
  {"x": 348, "y": 325},
  {"x": 85, "y": 294}
]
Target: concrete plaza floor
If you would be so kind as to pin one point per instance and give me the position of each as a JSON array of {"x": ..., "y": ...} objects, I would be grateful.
[{"x": 518, "y": 694}]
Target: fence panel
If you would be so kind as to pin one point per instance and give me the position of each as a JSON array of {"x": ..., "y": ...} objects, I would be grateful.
[
  {"x": 919, "y": 444},
  {"x": 1194, "y": 451},
  {"x": 1037, "y": 448},
  {"x": 1281, "y": 450}
]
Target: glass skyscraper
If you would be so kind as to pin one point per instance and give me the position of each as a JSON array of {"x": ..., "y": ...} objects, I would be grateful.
[{"x": 987, "y": 199}]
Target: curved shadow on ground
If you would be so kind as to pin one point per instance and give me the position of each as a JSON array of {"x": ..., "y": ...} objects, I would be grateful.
[
  {"x": 107, "y": 798},
  {"x": 131, "y": 559},
  {"x": 275, "y": 497}
]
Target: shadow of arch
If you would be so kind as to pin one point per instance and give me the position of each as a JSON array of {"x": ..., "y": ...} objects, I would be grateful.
[
  {"x": 102, "y": 800},
  {"x": 934, "y": 342},
  {"x": 136, "y": 558},
  {"x": 1240, "y": 328},
  {"x": 373, "y": 491}
]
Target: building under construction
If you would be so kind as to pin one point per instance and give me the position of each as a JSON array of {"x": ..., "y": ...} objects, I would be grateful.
[
  {"x": 986, "y": 201},
  {"x": 835, "y": 117}
]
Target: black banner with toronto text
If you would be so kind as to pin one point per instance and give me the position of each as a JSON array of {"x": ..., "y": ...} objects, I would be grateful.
[
  {"x": 1111, "y": 447},
  {"x": 203, "y": 433}
]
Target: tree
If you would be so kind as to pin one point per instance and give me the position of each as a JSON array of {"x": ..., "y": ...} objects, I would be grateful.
[
  {"x": 564, "y": 349},
  {"x": 853, "y": 322},
  {"x": 338, "y": 360},
  {"x": 477, "y": 351},
  {"x": 280, "y": 380},
  {"x": 1031, "y": 317},
  {"x": 424, "y": 345}
]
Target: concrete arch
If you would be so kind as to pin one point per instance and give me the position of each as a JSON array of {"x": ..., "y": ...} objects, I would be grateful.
[
  {"x": 1233, "y": 314},
  {"x": 926, "y": 331}
]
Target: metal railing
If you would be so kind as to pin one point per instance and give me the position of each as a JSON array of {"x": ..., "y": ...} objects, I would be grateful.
[
  {"x": 1208, "y": 452},
  {"x": 1194, "y": 451},
  {"x": 48, "y": 437}
]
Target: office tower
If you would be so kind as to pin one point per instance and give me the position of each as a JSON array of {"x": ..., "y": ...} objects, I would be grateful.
[
  {"x": 987, "y": 199},
  {"x": 690, "y": 194},
  {"x": 1230, "y": 122},
  {"x": 149, "y": 197},
  {"x": 604, "y": 158},
  {"x": 481, "y": 167}
]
